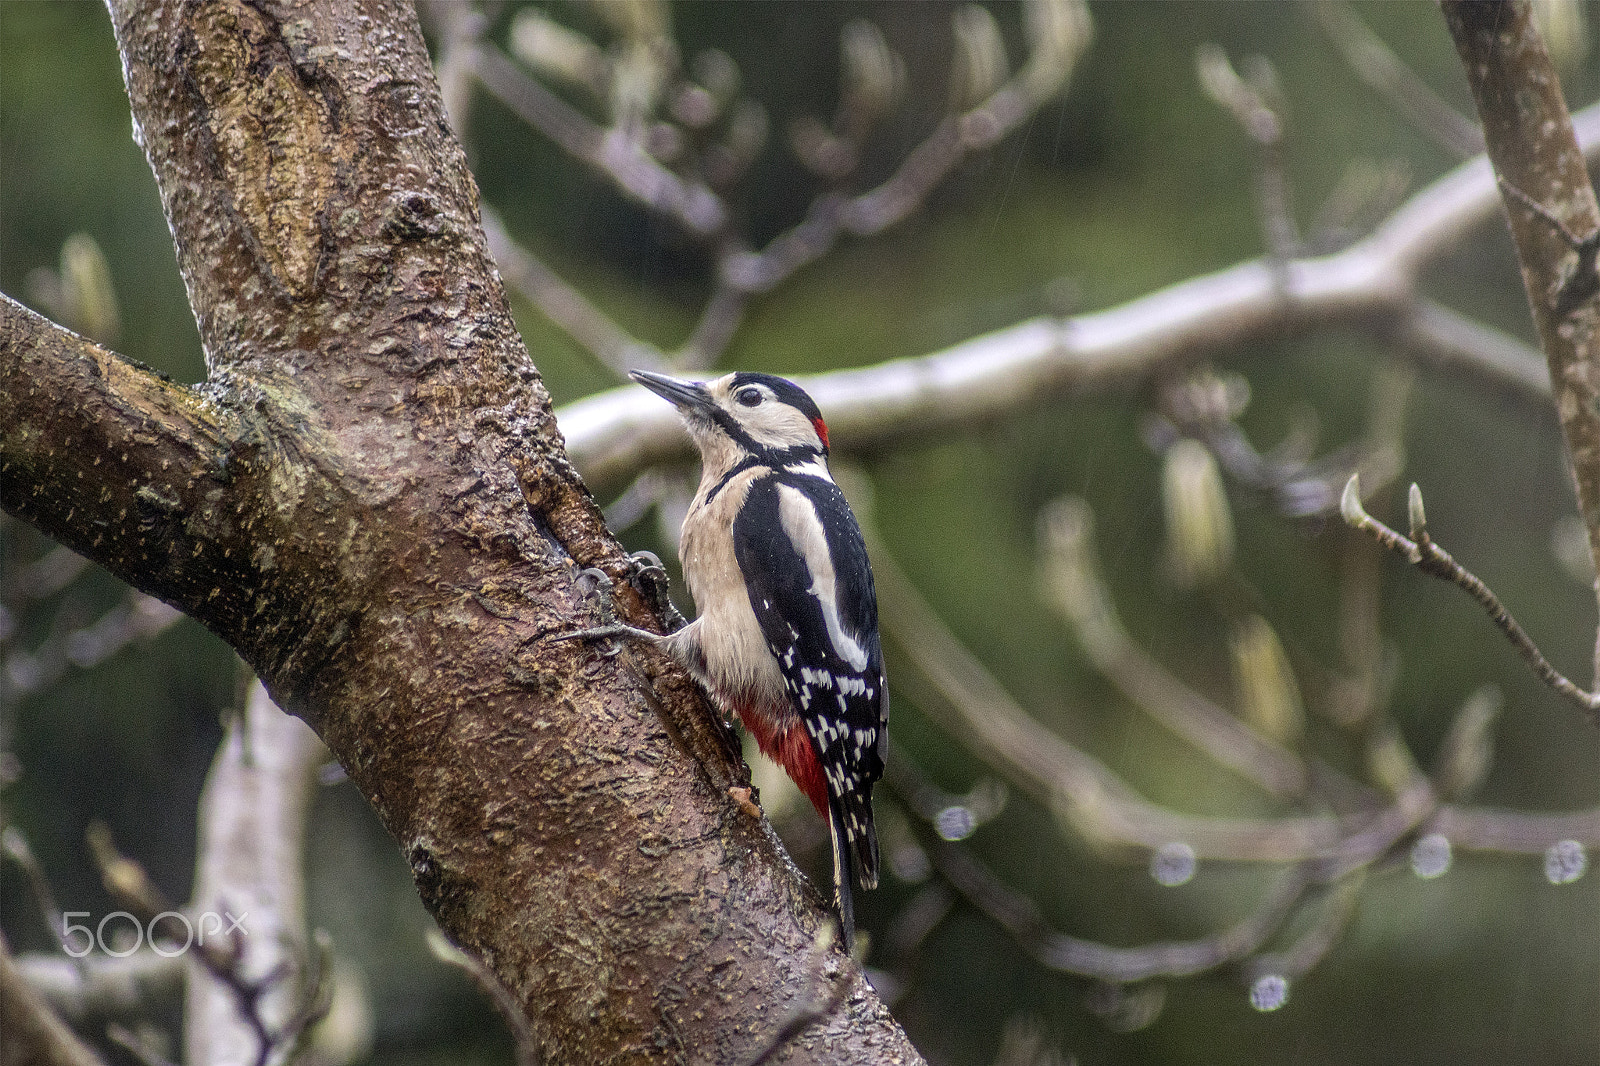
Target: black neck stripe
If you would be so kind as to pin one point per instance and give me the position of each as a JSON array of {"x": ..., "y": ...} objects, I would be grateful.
[{"x": 740, "y": 467}]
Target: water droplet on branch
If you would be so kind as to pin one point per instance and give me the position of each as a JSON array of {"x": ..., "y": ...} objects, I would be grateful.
[
  {"x": 955, "y": 823},
  {"x": 1430, "y": 856},
  {"x": 1269, "y": 992},
  {"x": 1564, "y": 862},
  {"x": 1172, "y": 864}
]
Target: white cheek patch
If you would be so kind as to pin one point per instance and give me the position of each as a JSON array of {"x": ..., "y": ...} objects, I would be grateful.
[
  {"x": 804, "y": 530},
  {"x": 776, "y": 425}
]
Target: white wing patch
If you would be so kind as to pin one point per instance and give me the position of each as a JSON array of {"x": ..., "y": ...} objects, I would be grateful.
[{"x": 804, "y": 529}]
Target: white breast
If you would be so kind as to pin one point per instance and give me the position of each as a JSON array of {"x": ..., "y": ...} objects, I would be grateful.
[{"x": 732, "y": 645}]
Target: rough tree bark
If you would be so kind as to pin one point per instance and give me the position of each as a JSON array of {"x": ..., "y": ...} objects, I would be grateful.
[
  {"x": 1549, "y": 201},
  {"x": 368, "y": 498}
]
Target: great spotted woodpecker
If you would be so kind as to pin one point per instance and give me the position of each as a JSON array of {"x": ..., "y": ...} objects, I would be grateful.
[{"x": 787, "y": 632}]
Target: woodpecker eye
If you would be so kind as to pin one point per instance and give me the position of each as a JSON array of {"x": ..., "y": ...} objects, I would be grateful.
[{"x": 749, "y": 397}]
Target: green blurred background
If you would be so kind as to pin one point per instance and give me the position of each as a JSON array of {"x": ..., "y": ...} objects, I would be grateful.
[{"x": 1132, "y": 180}]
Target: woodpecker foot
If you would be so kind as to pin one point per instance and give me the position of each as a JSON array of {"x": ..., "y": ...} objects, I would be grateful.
[
  {"x": 615, "y": 629},
  {"x": 595, "y": 584},
  {"x": 649, "y": 578}
]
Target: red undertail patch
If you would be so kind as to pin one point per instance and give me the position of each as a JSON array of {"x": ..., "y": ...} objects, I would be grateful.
[{"x": 791, "y": 749}]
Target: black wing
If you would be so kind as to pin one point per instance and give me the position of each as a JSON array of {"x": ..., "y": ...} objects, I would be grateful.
[{"x": 792, "y": 529}]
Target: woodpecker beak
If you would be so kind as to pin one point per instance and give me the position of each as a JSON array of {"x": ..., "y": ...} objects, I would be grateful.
[{"x": 690, "y": 397}]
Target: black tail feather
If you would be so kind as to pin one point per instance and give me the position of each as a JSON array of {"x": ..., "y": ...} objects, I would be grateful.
[
  {"x": 855, "y": 860},
  {"x": 866, "y": 848},
  {"x": 844, "y": 879}
]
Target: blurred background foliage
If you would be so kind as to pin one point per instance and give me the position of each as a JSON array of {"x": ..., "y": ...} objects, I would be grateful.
[{"x": 1131, "y": 180}]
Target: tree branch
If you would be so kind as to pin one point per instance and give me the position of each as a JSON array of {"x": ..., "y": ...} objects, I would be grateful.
[
  {"x": 99, "y": 985},
  {"x": 1535, "y": 153},
  {"x": 155, "y": 452},
  {"x": 1421, "y": 552},
  {"x": 386, "y": 524},
  {"x": 1079, "y": 596},
  {"x": 954, "y": 690},
  {"x": 1448, "y": 339},
  {"x": 1058, "y": 32},
  {"x": 1370, "y": 284},
  {"x": 1377, "y": 65},
  {"x": 566, "y": 306},
  {"x": 250, "y": 861},
  {"x": 34, "y": 1036},
  {"x": 1068, "y": 954},
  {"x": 609, "y": 150}
]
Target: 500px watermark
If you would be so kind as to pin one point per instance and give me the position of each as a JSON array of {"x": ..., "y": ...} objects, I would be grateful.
[{"x": 122, "y": 944}]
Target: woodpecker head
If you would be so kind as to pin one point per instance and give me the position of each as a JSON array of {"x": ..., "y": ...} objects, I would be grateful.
[{"x": 745, "y": 415}]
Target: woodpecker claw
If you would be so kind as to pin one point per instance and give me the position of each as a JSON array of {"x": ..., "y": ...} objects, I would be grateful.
[
  {"x": 649, "y": 578},
  {"x": 595, "y": 584}
]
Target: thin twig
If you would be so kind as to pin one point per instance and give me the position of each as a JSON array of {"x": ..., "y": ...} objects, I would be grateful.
[
  {"x": 1020, "y": 917},
  {"x": 1365, "y": 192},
  {"x": 1086, "y": 958},
  {"x": 16, "y": 848},
  {"x": 917, "y": 920},
  {"x": 1247, "y": 101},
  {"x": 954, "y": 690},
  {"x": 927, "y": 166},
  {"x": 1078, "y": 595},
  {"x": 981, "y": 804},
  {"x": 617, "y": 153},
  {"x": 128, "y": 883},
  {"x": 1315, "y": 943},
  {"x": 612, "y": 152},
  {"x": 135, "y": 1045},
  {"x": 30, "y": 1028},
  {"x": 253, "y": 810},
  {"x": 138, "y": 618},
  {"x": 719, "y": 321},
  {"x": 565, "y": 306},
  {"x": 636, "y": 500},
  {"x": 1423, "y": 553},
  {"x": 45, "y": 576},
  {"x": 1582, "y": 280},
  {"x": 459, "y": 27},
  {"x": 1378, "y": 66},
  {"x": 1300, "y": 484},
  {"x": 100, "y": 985},
  {"x": 1455, "y": 342}
]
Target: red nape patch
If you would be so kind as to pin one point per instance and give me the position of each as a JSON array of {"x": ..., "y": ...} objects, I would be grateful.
[
  {"x": 790, "y": 749},
  {"x": 822, "y": 430}
]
